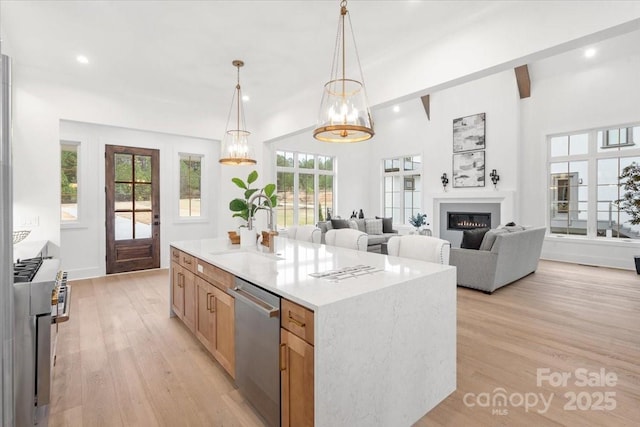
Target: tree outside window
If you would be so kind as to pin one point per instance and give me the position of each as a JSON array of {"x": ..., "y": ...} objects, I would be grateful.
[{"x": 68, "y": 181}]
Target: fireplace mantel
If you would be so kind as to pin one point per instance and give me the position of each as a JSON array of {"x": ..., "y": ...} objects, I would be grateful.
[{"x": 505, "y": 198}]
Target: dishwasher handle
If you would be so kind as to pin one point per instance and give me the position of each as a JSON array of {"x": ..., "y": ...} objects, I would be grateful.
[{"x": 255, "y": 302}]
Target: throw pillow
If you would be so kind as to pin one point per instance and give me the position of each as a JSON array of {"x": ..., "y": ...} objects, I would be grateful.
[
  {"x": 361, "y": 225},
  {"x": 339, "y": 223},
  {"x": 373, "y": 226},
  {"x": 353, "y": 224},
  {"x": 472, "y": 239},
  {"x": 490, "y": 238},
  {"x": 387, "y": 224}
]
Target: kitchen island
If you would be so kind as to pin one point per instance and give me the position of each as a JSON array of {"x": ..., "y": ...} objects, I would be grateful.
[{"x": 384, "y": 328}]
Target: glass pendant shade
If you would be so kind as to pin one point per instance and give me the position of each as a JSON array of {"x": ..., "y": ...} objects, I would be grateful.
[
  {"x": 344, "y": 114},
  {"x": 235, "y": 148},
  {"x": 344, "y": 110}
]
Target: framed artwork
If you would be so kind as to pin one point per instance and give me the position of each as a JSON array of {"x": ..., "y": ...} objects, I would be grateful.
[
  {"x": 468, "y": 169},
  {"x": 469, "y": 133}
]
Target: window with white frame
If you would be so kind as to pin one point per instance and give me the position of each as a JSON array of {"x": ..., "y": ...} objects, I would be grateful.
[
  {"x": 401, "y": 186},
  {"x": 585, "y": 183},
  {"x": 305, "y": 187},
  {"x": 69, "y": 173},
  {"x": 190, "y": 185}
]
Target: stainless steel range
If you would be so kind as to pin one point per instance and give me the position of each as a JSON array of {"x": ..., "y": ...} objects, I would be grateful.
[{"x": 42, "y": 298}]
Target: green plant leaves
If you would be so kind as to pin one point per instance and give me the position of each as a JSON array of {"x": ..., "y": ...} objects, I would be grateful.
[
  {"x": 237, "y": 205},
  {"x": 241, "y": 208},
  {"x": 240, "y": 183},
  {"x": 249, "y": 193},
  {"x": 269, "y": 189}
]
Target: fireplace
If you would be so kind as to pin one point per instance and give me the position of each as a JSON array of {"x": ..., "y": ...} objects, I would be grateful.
[{"x": 468, "y": 220}]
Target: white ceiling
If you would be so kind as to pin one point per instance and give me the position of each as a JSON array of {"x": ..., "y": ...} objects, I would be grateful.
[{"x": 181, "y": 51}]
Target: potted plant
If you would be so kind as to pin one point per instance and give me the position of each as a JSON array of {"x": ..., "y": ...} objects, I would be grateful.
[
  {"x": 418, "y": 220},
  {"x": 241, "y": 207},
  {"x": 630, "y": 201}
]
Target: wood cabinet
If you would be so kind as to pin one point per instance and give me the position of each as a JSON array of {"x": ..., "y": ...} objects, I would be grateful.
[
  {"x": 215, "y": 323},
  {"x": 296, "y": 365},
  {"x": 199, "y": 298},
  {"x": 214, "y": 275},
  {"x": 183, "y": 288}
]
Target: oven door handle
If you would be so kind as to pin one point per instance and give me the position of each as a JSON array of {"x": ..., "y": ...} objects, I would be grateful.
[
  {"x": 255, "y": 302},
  {"x": 43, "y": 359}
]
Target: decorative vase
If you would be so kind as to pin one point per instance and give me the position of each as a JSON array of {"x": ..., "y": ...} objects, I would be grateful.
[
  {"x": 361, "y": 216},
  {"x": 247, "y": 237}
]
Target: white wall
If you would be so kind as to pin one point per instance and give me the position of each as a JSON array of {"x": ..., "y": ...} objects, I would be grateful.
[
  {"x": 82, "y": 248},
  {"x": 602, "y": 95},
  {"x": 40, "y": 102},
  {"x": 410, "y": 132}
]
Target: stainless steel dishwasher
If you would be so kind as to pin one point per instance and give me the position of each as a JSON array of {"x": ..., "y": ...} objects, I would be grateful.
[{"x": 257, "y": 348}]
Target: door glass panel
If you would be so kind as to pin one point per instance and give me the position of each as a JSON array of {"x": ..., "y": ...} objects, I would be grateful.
[
  {"x": 143, "y": 168},
  {"x": 124, "y": 226},
  {"x": 123, "y": 167},
  {"x": 123, "y": 200},
  {"x": 143, "y": 225},
  {"x": 143, "y": 196}
]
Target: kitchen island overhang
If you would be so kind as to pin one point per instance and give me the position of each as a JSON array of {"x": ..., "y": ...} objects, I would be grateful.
[{"x": 385, "y": 339}]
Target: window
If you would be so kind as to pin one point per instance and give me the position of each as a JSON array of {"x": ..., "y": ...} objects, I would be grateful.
[
  {"x": 190, "y": 185},
  {"x": 305, "y": 186},
  {"x": 584, "y": 183},
  {"x": 401, "y": 187},
  {"x": 620, "y": 138},
  {"x": 69, "y": 181}
]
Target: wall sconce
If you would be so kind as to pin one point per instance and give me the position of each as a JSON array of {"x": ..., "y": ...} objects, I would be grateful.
[
  {"x": 494, "y": 178},
  {"x": 444, "y": 180}
]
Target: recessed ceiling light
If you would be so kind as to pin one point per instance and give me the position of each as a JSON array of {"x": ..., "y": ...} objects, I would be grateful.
[
  {"x": 396, "y": 108},
  {"x": 82, "y": 59},
  {"x": 245, "y": 98},
  {"x": 590, "y": 53}
]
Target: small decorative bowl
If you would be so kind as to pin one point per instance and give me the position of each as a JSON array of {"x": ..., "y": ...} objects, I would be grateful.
[
  {"x": 234, "y": 237},
  {"x": 20, "y": 235}
]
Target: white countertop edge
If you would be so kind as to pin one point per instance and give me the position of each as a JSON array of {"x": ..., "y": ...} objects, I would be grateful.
[{"x": 312, "y": 293}]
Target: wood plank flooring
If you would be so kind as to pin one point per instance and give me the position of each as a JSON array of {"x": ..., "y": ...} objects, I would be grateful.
[{"x": 123, "y": 362}]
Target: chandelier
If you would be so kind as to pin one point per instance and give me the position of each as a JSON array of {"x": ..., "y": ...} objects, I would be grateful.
[
  {"x": 235, "y": 143},
  {"x": 344, "y": 111}
]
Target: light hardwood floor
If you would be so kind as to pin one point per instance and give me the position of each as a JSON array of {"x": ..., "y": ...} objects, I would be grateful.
[{"x": 123, "y": 362}]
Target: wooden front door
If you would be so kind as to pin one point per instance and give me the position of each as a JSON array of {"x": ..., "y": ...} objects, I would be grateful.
[{"x": 132, "y": 208}]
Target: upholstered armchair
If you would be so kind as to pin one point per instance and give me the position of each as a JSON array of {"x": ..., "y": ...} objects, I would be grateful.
[
  {"x": 347, "y": 238},
  {"x": 305, "y": 233},
  {"x": 424, "y": 248}
]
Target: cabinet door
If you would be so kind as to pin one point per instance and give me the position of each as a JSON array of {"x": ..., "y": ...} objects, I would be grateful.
[
  {"x": 296, "y": 380},
  {"x": 204, "y": 313},
  {"x": 177, "y": 290},
  {"x": 224, "y": 330},
  {"x": 189, "y": 288}
]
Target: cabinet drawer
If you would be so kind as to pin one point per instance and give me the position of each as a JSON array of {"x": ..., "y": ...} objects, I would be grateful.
[
  {"x": 214, "y": 275},
  {"x": 297, "y": 320},
  {"x": 184, "y": 259},
  {"x": 175, "y": 255}
]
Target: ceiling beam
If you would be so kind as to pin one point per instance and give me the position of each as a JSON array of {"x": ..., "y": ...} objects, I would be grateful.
[
  {"x": 426, "y": 105},
  {"x": 524, "y": 82}
]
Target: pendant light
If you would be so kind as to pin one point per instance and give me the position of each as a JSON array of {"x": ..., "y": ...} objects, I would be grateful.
[
  {"x": 235, "y": 143},
  {"x": 344, "y": 110}
]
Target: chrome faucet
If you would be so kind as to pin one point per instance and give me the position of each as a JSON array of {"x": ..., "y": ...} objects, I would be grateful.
[{"x": 270, "y": 224}]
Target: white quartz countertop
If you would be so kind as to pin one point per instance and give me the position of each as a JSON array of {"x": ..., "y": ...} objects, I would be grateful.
[{"x": 287, "y": 272}]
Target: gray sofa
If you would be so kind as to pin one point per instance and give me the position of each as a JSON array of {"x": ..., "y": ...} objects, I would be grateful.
[
  {"x": 511, "y": 256},
  {"x": 375, "y": 239}
]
